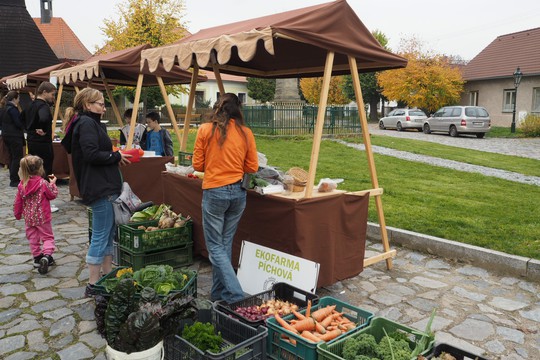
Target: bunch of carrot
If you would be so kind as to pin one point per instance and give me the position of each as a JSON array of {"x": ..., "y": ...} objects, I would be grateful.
[{"x": 323, "y": 324}]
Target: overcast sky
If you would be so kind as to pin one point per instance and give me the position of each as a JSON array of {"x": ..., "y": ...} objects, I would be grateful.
[{"x": 459, "y": 27}]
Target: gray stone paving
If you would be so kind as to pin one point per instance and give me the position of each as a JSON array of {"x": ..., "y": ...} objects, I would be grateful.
[{"x": 46, "y": 316}]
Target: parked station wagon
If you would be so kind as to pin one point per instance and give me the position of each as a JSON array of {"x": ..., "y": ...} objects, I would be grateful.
[
  {"x": 401, "y": 119},
  {"x": 456, "y": 120}
]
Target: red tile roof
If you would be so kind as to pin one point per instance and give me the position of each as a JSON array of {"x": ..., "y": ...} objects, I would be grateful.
[
  {"x": 65, "y": 44},
  {"x": 501, "y": 58}
]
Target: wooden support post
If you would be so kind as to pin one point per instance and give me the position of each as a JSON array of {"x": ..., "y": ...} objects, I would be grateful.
[
  {"x": 76, "y": 89},
  {"x": 317, "y": 133},
  {"x": 135, "y": 111},
  {"x": 168, "y": 105},
  {"x": 371, "y": 164},
  {"x": 191, "y": 100},
  {"x": 57, "y": 108},
  {"x": 215, "y": 67},
  {"x": 111, "y": 99}
]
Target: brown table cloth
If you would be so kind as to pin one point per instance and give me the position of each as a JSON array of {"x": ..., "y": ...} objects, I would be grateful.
[
  {"x": 60, "y": 162},
  {"x": 144, "y": 178},
  {"x": 330, "y": 230}
]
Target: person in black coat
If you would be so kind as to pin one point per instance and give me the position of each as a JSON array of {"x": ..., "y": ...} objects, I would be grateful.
[
  {"x": 13, "y": 134},
  {"x": 38, "y": 120},
  {"x": 96, "y": 168}
]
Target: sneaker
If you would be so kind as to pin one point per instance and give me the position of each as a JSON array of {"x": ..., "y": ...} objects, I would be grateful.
[
  {"x": 89, "y": 291},
  {"x": 54, "y": 208},
  {"x": 43, "y": 265},
  {"x": 51, "y": 260},
  {"x": 36, "y": 260}
]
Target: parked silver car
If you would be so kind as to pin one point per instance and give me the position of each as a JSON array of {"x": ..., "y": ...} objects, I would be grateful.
[
  {"x": 455, "y": 120},
  {"x": 400, "y": 119}
]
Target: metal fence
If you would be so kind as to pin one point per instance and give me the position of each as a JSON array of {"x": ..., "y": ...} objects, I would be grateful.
[{"x": 300, "y": 119}]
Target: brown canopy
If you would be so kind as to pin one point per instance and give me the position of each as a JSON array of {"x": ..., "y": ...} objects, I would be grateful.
[
  {"x": 35, "y": 77},
  {"x": 121, "y": 68},
  {"x": 290, "y": 44}
]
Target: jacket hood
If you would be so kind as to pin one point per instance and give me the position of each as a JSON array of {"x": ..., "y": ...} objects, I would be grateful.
[{"x": 32, "y": 186}]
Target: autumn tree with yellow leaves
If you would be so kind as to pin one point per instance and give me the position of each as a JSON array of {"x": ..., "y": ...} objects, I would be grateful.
[
  {"x": 311, "y": 89},
  {"x": 428, "y": 82},
  {"x": 138, "y": 22}
]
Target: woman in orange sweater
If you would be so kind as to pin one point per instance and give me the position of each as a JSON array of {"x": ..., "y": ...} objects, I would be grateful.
[{"x": 224, "y": 150}]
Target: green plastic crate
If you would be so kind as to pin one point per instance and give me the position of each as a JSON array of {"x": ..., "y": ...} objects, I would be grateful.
[
  {"x": 185, "y": 158},
  {"x": 176, "y": 257},
  {"x": 333, "y": 351},
  {"x": 142, "y": 242},
  {"x": 189, "y": 289},
  {"x": 279, "y": 348}
]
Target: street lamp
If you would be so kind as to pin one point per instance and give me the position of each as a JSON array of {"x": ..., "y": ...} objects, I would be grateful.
[{"x": 517, "y": 79}]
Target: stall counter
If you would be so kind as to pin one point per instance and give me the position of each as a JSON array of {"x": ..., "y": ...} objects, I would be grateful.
[{"x": 330, "y": 230}]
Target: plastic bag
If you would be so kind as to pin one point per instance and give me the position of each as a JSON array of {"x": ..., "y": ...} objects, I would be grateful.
[{"x": 328, "y": 185}]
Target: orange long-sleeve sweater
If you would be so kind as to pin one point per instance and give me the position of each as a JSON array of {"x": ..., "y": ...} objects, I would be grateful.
[{"x": 226, "y": 164}]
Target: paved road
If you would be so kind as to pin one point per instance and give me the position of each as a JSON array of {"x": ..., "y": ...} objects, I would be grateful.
[
  {"x": 529, "y": 148},
  {"x": 46, "y": 316}
]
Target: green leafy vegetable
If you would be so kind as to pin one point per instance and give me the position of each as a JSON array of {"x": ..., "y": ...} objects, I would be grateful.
[{"x": 203, "y": 336}]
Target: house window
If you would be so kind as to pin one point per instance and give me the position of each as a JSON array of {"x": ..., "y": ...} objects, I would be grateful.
[
  {"x": 473, "y": 98},
  {"x": 509, "y": 100},
  {"x": 536, "y": 100},
  {"x": 242, "y": 97},
  {"x": 199, "y": 98},
  {"x": 218, "y": 95}
]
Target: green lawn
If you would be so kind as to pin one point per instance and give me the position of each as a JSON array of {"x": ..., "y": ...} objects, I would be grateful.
[{"x": 469, "y": 208}]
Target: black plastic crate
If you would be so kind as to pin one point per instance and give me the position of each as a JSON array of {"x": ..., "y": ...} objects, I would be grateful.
[
  {"x": 459, "y": 354},
  {"x": 241, "y": 342},
  {"x": 279, "y": 291}
]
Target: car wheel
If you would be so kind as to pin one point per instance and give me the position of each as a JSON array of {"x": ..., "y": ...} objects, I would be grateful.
[
  {"x": 381, "y": 125},
  {"x": 399, "y": 127},
  {"x": 480, "y": 135},
  {"x": 453, "y": 131},
  {"x": 427, "y": 130}
]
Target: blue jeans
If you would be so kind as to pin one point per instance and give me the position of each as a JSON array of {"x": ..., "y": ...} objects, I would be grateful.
[
  {"x": 222, "y": 209},
  {"x": 103, "y": 230}
]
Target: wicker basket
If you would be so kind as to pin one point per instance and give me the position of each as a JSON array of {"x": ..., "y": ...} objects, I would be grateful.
[{"x": 300, "y": 178}]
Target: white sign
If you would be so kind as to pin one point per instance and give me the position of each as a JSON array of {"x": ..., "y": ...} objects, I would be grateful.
[{"x": 261, "y": 267}]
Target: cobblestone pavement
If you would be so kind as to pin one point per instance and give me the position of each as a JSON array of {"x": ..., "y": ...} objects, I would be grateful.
[{"x": 47, "y": 317}]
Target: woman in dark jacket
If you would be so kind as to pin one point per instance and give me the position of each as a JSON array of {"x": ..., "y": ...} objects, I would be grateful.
[
  {"x": 98, "y": 177},
  {"x": 13, "y": 134}
]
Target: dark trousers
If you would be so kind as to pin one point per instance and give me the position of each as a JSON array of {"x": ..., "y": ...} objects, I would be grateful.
[
  {"x": 15, "y": 145},
  {"x": 45, "y": 151}
]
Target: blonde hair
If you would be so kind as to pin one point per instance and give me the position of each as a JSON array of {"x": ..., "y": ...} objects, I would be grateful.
[
  {"x": 68, "y": 115},
  {"x": 30, "y": 165},
  {"x": 86, "y": 96}
]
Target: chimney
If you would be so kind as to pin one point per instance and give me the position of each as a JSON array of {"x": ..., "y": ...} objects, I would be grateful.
[{"x": 46, "y": 11}]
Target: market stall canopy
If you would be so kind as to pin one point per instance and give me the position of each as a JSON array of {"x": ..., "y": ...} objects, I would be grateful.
[
  {"x": 4, "y": 79},
  {"x": 35, "y": 77},
  {"x": 121, "y": 68},
  {"x": 289, "y": 44}
]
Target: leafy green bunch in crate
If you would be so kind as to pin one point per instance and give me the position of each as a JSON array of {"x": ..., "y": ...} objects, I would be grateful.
[
  {"x": 161, "y": 278},
  {"x": 153, "y": 212}
]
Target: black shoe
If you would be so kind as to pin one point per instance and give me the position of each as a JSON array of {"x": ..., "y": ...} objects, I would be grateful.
[
  {"x": 43, "y": 265},
  {"x": 36, "y": 260},
  {"x": 51, "y": 260},
  {"x": 89, "y": 291}
]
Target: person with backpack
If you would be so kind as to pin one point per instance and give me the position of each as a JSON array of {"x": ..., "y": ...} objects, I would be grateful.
[
  {"x": 38, "y": 119},
  {"x": 12, "y": 133}
]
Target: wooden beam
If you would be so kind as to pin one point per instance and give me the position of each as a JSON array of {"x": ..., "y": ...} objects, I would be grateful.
[
  {"x": 168, "y": 105},
  {"x": 317, "y": 133},
  {"x": 111, "y": 99},
  {"x": 369, "y": 153},
  {"x": 191, "y": 100},
  {"x": 135, "y": 111},
  {"x": 57, "y": 108},
  {"x": 76, "y": 89},
  {"x": 215, "y": 67},
  {"x": 371, "y": 192},
  {"x": 384, "y": 256}
]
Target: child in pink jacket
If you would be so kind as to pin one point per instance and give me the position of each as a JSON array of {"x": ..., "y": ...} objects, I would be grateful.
[{"x": 33, "y": 202}]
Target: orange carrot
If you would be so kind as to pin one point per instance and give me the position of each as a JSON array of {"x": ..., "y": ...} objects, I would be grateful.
[
  {"x": 306, "y": 324},
  {"x": 308, "y": 309},
  {"x": 330, "y": 335},
  {"x": 298, "y": 315},
  {"x": 323, "y": 312},
  {"x": 284, "y": 324},
  {"x": 328, "y": 320},
  {"x": 320, "y": 329},
  {"x": 309, "y": 336}
]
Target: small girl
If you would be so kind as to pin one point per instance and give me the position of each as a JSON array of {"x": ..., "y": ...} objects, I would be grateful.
[{"x": 33, "y": 202}]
